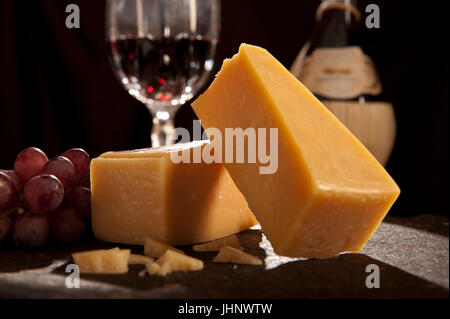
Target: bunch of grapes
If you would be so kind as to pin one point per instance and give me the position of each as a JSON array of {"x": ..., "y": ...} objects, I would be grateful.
[{"x": 43, "y": 197}]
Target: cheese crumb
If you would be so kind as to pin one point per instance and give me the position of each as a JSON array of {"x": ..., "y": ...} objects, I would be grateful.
[
  {"x": 152, "y": 268},
  {"x": 232, "y": 255},
  {"x": 155, "y": 248},
  {"x": 142, "y": 273},
  {"x": 136, "y": 259},
  {"x": 173, "y": 261},
  {"x": 103, "y": 261},
  {"x": 215, "y": 245}
]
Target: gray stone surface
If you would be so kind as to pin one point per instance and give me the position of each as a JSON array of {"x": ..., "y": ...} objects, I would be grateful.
[{"x": 412, "y": 254}]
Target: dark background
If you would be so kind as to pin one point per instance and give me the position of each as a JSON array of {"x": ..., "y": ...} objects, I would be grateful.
[{"x": 58, "y": 91}]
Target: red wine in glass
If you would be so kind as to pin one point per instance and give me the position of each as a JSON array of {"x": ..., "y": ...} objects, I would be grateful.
[
  {"x": 164, "y": 69},
  {"x": 162, "y": 52}
]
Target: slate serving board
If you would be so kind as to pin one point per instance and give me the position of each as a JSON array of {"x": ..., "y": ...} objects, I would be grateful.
[{"x": 412, "y": 255}]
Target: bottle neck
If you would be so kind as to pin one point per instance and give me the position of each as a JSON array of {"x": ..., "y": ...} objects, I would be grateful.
[
  {"x": 331, "y": 64},
  {"x": 344, "y": 11},
  {"x": 335, "y": 20}
]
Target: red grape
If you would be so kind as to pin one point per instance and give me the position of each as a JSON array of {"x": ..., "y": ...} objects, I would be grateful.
[
  {"x": 63, "y": 169},
  {"x": 8, "y": 193},
  {"x": 80, "y": 160},
  {"x": 29, "y": 163},
  {"x": 67, "y": 225},
  {"x": 5, "y": 226},
  {"x": 80, "y": 199},
  {"x": 43, "y": 194},
  {"x": 15, "y": 179},
  {"x": 31, "y": 230},
  {"x": 86, "y": 180}
]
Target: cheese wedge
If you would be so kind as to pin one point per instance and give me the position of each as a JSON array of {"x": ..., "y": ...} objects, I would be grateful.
[
  {"x": 143, "y": 193},
  {"x": 329, "y": 193}
]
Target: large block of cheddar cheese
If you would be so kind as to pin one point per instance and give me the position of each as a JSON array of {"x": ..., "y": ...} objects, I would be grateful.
[
  {"x": 329, "y": 193},
  {"x": 143, "y": 193}
]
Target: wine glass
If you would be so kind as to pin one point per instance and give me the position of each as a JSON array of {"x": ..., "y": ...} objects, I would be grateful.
[{"x": 162, "y": 52}]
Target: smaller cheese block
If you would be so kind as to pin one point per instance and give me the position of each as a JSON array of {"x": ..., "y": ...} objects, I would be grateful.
[
  {"x": 154, "y": 248},
  {"x": 143, "y": 193},
  {"x": 232, "y": 255},
  {"x": 328, "y": 194},
  {"x": 136, "y": 259},
  {"x": 215, "y": 245},
  {"x": 173, "y": 261},
  {"x": 105, "y": 261}
]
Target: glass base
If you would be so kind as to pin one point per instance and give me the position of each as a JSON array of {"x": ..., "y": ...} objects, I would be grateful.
[{"x": 163, "y": 130}]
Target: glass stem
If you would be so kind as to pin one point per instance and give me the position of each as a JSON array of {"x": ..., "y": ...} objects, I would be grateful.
[{"x": 163, "y": 130}]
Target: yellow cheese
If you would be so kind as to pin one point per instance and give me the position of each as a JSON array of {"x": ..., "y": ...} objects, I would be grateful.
[
  {"x": 173, "y": 261},
  {"x": 152, "y": 268},
  {"x": 232, "y": 255},
  {"x": 136, "y": 259},
  {"x": 104, "y": 261},
  {"x": 143, "y": 193},
  {"x": 215, "y": 245},
  {"x": 329, "y": 193},
  {"x": 154, "y": 248}
]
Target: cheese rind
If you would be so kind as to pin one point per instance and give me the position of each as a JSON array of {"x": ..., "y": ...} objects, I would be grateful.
[
  {"x": 143, "y": 193},
  {"x": 329, "y": 193}
]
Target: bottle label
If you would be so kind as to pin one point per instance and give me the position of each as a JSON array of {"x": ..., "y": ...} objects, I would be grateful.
[{"x": 340, "y": 73}]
